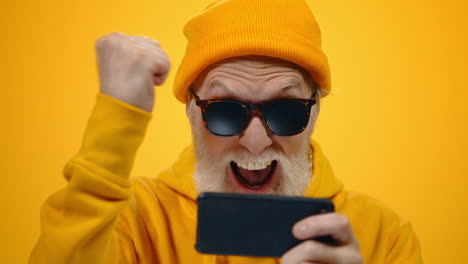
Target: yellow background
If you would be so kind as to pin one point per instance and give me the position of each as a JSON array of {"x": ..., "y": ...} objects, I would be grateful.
[{"x": 394, "y": 127}]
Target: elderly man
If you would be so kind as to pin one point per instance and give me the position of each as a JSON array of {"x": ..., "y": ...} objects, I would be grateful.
[{"x": 240, "y": 53}]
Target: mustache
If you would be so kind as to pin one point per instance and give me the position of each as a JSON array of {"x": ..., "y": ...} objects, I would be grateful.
[{"x": 240, "y": 155}]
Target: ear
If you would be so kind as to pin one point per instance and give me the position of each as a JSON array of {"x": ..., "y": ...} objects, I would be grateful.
[
  {"x": 318, "y": 96},
  {"x": 190, "y": 107}
]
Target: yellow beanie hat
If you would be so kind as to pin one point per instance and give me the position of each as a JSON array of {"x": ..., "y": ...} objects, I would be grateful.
[{"x": 284, "y": 29}]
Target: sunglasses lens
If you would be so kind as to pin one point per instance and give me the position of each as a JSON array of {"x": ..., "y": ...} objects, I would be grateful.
[
  {"x": 225, "y": 118},
  {"x": 287, "y": 117}
]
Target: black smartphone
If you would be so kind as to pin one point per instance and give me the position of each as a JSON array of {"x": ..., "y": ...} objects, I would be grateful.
[{"x": 253, "y": 225}]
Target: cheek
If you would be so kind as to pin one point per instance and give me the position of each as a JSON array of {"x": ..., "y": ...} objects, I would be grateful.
[
  {"x": 215, "y": 144},
  {"x": 293, "y": 144}
]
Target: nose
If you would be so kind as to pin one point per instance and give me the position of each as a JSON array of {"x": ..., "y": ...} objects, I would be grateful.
[{"x": 255, "y": 137}]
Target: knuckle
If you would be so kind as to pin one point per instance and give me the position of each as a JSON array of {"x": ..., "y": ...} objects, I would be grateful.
[
  {"x": 116, "y": 34},
  {"x": 342, "y": 222},
  {"x": 168, "y": 63},
  {"x": 164, "y": 54},
  {"x": 163, "y": 67},
  {"x": 151, "y": 40},
  {"x": 108, "y": 40},
  {"x": 161, "y": 53},
  {"x": 139, "y": 53},
  {"x": 138, "y": 50},
  {"x": 162, "y": 62},
  {"x": 309, "y": 247},
  {"x": 322, "y": 229},
  {"x": 100, "y": 42}
]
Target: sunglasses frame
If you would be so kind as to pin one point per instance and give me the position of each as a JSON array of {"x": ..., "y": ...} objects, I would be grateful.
[{"x": 253, "y": 109}]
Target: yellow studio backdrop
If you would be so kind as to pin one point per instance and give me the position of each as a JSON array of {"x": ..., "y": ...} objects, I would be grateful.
[{"x": 395, "y": 126}]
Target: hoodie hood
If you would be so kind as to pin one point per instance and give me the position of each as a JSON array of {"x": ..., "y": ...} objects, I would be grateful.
[{"x": 324, "y": 184}]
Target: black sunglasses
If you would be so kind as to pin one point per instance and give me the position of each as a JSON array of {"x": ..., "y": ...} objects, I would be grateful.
[{"x": 282, "y": 117}]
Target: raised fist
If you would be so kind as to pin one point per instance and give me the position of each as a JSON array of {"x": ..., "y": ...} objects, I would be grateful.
[{"x": 129, "y": 68}]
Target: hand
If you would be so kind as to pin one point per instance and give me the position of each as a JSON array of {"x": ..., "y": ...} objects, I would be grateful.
[
  {"x": 129, "y": 67},
  {"x": 310, "y": 251}
]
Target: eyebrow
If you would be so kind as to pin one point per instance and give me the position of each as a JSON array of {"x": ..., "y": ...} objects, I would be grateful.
[
  {"x": 290, "y": 84},
  {"x": 281, "y": 89},
  {"x": 220, "y": 85}
]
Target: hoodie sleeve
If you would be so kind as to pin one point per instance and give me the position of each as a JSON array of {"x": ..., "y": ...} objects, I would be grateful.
[
  {"x": 78, "y": 223},
  {"x": 405, "y": 248}
]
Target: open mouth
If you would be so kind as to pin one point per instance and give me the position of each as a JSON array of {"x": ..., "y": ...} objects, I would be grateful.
[{"x": 253, "y": 175}]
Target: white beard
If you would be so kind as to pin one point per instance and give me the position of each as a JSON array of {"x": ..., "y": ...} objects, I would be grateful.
[{"x": 294, "y": 170}]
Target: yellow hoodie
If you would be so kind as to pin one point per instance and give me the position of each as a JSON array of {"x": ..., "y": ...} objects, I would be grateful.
[{"x": 102, "y": 216}]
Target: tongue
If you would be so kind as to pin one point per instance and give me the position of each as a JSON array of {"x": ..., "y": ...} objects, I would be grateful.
[{"x": 255, "y": 177}]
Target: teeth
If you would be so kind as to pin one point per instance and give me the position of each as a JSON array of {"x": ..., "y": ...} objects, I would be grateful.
[{"x": 253, "y": 165}]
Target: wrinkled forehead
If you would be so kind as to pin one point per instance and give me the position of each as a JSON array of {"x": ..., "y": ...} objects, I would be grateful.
[{"x": 251, "y": 72}]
